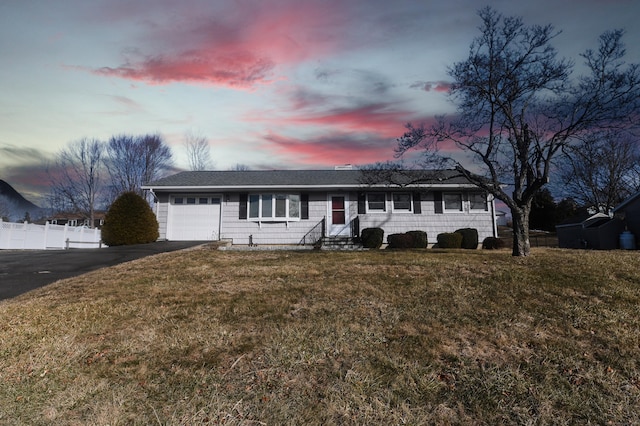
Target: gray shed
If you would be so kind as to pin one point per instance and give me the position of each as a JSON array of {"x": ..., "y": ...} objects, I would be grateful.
[
  {"x": 629, "y": 213},
  {"x": 599, "y": 232}
]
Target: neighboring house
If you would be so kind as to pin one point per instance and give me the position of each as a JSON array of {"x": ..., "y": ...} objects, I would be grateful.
[
  {"x": 77, "y": 219},
  {"x": 302, "y": 206}
]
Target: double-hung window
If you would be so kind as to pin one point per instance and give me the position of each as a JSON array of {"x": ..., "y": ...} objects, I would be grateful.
[
  {"x": 376, "y": 202},
  {"x": 401, "y": 201},
  {"x": 478, "y": 201},
  {"x": 274, "y": 207},
  {"x": 452, "y": 201}
]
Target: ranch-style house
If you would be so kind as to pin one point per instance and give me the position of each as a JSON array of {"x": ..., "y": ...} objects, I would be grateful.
[{"x": 285, "y": 207}]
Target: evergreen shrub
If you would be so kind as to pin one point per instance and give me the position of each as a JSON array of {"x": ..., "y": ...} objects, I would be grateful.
[
  {"x": 469, "y": 238},
  {"x": 419, "y": 239},
  {"x": 372, "y": 237},
  {"x": 400, "y": 241},
  {"x": 450, "y": 240},
  {"x": 129, "y": 220},
  {"x": 493, "y": 243}
]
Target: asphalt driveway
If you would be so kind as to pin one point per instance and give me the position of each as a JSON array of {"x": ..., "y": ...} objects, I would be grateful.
[{"x": 25, "y": 270}]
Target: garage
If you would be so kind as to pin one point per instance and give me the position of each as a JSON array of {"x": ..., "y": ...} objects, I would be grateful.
[{"x": 194, "y": 218}]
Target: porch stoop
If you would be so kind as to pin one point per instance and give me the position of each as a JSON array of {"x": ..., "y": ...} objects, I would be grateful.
[{"x": 339, "y": 243}]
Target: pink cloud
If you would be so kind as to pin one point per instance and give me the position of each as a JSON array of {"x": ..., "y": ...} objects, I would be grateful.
[
  {"x": 239, "y": 70},
  {"x": 379, "y": 119},
  {"x": 237, "y": 48},
  {"x": 332, "y": 150}
]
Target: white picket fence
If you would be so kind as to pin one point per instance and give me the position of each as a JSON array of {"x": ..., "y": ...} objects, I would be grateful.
[{"x": 28, "y": 236}]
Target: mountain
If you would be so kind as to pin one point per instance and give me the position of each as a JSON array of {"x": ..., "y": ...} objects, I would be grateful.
[{"x": 13, "y": 204}]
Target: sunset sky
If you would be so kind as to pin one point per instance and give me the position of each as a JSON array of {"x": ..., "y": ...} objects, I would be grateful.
[{"x": 278, "y": 84}]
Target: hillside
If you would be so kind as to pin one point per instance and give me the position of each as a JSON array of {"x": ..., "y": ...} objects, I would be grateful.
[{"x": 13, "y": 204}]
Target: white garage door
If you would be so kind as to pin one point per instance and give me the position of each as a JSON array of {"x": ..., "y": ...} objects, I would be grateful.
[{"x": 194, "y": 218}]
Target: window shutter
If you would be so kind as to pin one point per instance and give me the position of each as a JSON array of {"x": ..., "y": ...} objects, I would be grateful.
[
  {"x": 243, "y": 206},
  {"x": 304, "y": 206},
  {"x": 417, "y": 208},
  {"x": 362, "y": 203},
  {"x": 437, "y": 201}
]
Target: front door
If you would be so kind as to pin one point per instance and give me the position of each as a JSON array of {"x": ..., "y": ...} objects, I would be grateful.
[{"x": 339, "y": 222}]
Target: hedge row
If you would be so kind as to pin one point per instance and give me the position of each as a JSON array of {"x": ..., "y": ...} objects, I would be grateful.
[{"x": 466, "y": 238}]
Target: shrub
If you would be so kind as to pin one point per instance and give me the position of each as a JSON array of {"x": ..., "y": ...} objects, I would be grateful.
[
  {"x": 419, "y": 239},
  {"x": 493, "y": 243},
  {"x": 129, "y": 220},
  {"x": 450, "y": 240},
  {"x": 469, "y": 238},
  {"x": 372, "y": 237},
  {"x": 400, "y": 241}
]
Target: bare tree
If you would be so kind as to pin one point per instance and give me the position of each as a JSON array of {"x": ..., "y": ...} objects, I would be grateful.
[
  {"x": 198, "y": 152},
  {"x": 76, "y": 176},
  {"x": 602, "y": 172},
  {"x": 135, "y": 160},
  {"x": 518, "y": 108}
]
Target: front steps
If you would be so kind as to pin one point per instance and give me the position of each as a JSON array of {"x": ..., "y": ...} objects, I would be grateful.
[{"x": 339, "y": 244}]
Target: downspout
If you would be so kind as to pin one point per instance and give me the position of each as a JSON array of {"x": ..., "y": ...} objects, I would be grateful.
[
  {"x": 493, "y": 215},
  {"x": 155, "y": 201}
]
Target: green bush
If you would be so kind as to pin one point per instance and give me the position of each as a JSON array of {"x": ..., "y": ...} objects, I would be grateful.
[
  {"x": 400, "y": 241},
  {"x": 419, "y": 239},
  {"x": 450, "y": 240},
  {"x": 129, "y": 220},
  {"x": 372, "y": 237},
  {"x": 469, "y": 238},
  {"x": 493, "y": 243}
]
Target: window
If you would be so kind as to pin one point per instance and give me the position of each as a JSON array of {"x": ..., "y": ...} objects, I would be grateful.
[
  {"x": 294, "y": 206},
  {"x": 376, "y": 202},
  {"x": 191, "y": 200},
  {"x": 203, "y": 200},
  {"x": 452, "y": 201},
  {"x": 478, "y": 201},
  {"x": 178, "y": 200},
  {"x": 274, "y": 206},
  {"x": 402, "y": 201},
  {"x": 281, "y": 205}
]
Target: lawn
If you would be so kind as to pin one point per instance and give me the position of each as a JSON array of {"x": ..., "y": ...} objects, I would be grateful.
[{"x": 288, "y": 338}]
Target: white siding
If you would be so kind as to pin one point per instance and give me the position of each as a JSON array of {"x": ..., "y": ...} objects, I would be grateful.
[{"x": 292, "y": 232}]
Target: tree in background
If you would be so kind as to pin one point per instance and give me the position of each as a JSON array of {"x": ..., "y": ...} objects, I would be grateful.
[
  {"x": 76, "y": 176},
  {"x": 136, "y": 160},
  {"x": 198, "y": 152},
  {"x": 543, "y": 211},
  {"x": 518, "y": 108},
  {"x": 603, "y": 170}
]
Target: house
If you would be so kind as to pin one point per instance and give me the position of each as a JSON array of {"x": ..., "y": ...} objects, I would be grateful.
[
  {"x": 77, "y": 219},
  {"x": 302, "y": 206}
]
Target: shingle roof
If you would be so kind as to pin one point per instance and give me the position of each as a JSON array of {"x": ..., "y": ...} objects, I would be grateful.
[{"x": 306, "y": 178}]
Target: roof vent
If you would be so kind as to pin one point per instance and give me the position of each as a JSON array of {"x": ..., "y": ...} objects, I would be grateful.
[{"x": 344, "y": 167}]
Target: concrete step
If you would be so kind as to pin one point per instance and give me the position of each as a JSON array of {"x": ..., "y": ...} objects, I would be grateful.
[{"x": 339, "y": 243}]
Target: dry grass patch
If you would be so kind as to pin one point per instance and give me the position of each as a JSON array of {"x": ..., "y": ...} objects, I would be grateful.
[{"x": 449, "y": 337}]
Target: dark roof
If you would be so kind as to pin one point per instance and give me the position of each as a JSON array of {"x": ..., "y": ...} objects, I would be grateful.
[
  {"x": 307, "y": 178},
  {"x": 626, "y": 202}
]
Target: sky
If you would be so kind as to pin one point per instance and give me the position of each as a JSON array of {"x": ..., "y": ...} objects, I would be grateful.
[{"x": 271, "y": 84}]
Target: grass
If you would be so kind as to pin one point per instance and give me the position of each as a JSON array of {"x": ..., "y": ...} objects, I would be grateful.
[{"x": 289, "y": 338}]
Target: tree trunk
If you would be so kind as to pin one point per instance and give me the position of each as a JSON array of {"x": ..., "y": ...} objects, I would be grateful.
[{"x": 521, "y": 243}]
